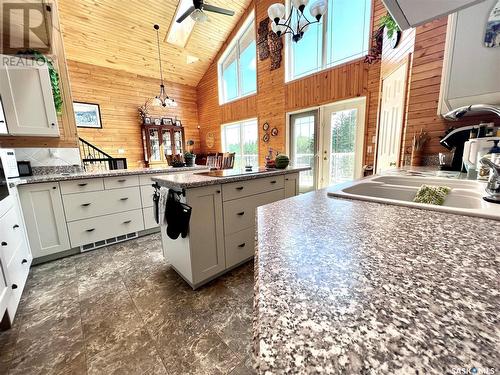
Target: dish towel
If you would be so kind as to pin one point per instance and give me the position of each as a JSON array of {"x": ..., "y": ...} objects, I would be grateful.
[
  {"x": 162, "y": 204},
  {"x": 430, "y": 194}
]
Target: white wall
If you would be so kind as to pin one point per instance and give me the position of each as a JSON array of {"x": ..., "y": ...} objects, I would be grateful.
[{"x": 49, "y": 157}]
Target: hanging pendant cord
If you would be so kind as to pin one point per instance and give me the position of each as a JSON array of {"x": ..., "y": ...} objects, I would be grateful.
[{"x": 159, "y": 54}]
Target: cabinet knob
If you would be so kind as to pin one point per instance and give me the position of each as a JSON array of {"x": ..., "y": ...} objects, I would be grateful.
[
  {"x": 286, "y": 179},
  {"x": 82, "y": 184},
  {"x": 242, "y": 245},
  {"x": 124, "y": 199},
  {"x": 4, "y": 243},
  {"x": 241, "y": 213},
  {"x": 127, "y": 222},
  {"x": 14, "y": 286},
  {"x": 85, "y": 204},
  {"x": 24, "y": 261},
  {"x": 218, "y": 191},
  {"x": 273, "y": 182},
  {"x": 239, "y": 188},
  {"x": 52, "y": 124},
  {"x": 90, "y": 230},
  {"x": 54, "y": 187},
  {"x": 15, "y": 226}
]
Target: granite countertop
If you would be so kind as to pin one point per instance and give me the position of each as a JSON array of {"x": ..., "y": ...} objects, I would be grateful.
[
  {"x": 117, "y": 172},
  {"x": 352, "y": 287},
  {"x": 186, "y": 181}
]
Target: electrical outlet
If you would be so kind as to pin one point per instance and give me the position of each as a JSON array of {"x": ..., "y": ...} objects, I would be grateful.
[{"x": 370, "y": 149}]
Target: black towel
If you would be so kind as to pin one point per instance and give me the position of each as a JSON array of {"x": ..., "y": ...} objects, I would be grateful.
[{"x": 177, "y": 215}]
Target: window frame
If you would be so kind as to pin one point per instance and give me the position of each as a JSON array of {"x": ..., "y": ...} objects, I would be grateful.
[
  {"x": 235, "y": 44},
  {"x": 240, "y": 123},
  {"x": 324, "y": 48}
]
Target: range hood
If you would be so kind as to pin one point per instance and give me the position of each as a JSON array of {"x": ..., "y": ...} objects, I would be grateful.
[{"x": 411, "y": 13}]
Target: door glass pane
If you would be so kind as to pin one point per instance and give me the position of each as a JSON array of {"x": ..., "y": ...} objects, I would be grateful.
[
  {"x": 303, "y": 148},
  {"x": 167, "y": 142},
  {"x": 343, "y": 142},
  {"x": 154, "y": 142},
  {"x": 250, "y": 149},
  {"x": 231, "y": 134},
  {"x": 178, "y": 142}
]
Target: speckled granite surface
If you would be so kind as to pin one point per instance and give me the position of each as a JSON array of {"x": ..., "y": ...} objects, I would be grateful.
[
  {"x": 184, "y": 180},
  {"x": 351, "y": 287},
  {"x": 113, "y": 173}
]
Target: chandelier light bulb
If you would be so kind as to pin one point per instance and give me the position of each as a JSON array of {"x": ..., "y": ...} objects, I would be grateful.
[
  {"x": 300, "y": 4},
  {"x": 276, "y": 12},
  {"x": 279, "y": 29},
  {"x": 318, "y": 9},
  {"x": 156, "y": 102}
]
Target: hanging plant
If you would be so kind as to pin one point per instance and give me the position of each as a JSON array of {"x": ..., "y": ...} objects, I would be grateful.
[
  {"x": 53, "y": 74},
  {"x": 392, "y": 28},
  {"x": 390, "y": 25}
]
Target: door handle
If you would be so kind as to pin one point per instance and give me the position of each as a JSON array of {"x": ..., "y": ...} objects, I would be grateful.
[{"x": 242, "y": 245}]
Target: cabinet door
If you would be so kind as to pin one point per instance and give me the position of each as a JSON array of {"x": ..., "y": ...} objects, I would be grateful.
[
  {"x": 5, "y": 291},
  {"x": 291, "y": 185},
  {"x": 206, "y": 232},
  {"x": 44, "y": 216},
  {"x": 26, "y": 94}
]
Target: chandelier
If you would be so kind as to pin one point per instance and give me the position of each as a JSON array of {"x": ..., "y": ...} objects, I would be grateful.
[
  {"x": 162, "y": 100},
  {"x": 298, "y": 24}
]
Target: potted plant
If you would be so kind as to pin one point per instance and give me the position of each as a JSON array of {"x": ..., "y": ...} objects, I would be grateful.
[{"x": 189, "y": 159}]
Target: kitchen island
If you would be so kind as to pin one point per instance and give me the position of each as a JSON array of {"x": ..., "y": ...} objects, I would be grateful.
[
  {"x": 352, "y": 287},
  {"x": 222, "y": 223}
]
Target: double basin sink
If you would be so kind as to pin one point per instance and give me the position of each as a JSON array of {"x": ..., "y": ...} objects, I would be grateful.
[{"x": 465, "y": 198}]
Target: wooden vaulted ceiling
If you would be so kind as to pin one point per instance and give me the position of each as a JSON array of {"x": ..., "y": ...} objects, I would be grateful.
[{"x": 120, "y": 35}]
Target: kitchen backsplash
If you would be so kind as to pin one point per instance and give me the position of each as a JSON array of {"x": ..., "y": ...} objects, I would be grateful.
[{"x": 51, "y": 160}]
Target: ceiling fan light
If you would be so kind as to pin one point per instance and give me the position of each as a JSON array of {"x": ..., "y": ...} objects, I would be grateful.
[
  {"x": 318, "y": 9},
  {"x": 198, "y": 15},
  {"x": 276, "y": 12},
  {"x": 300, "y": 4}
]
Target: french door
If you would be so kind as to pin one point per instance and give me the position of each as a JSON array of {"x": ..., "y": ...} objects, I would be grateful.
[
  {"x": 304, "y": 147},
  {"x": 342, "y": 141}
]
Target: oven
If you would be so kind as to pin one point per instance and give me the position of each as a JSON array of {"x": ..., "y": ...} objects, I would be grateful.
[{"x": 8, "y": 173}]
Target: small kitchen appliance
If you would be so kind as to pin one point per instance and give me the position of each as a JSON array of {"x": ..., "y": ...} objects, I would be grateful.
[{"x": 8, "y": 173}]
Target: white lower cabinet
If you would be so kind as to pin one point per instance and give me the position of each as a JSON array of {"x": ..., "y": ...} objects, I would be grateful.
[
  {"x": 291, "y": 185},
  {"x": 5, "y": 289},
  {"x": 44, "y": 217}
]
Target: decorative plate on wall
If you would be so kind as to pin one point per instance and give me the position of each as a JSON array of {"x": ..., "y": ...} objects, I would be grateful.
[
  {"x": 265, "y": 138},
  {"x": 210, "y": 139},
  {"x": 274, "y": 132},
  {"x": 265, "y": 127}
]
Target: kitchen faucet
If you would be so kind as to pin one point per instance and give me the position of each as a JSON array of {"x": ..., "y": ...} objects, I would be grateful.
[
  {"x": 458, "y": 113},
  {"x": 493, "y": 186}
]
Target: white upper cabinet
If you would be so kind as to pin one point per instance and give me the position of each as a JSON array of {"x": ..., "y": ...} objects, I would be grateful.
[
  {"x": 471, "y": 71},
  {"x": 26, "y": 94},
  {"x": 411, "y": 13}
]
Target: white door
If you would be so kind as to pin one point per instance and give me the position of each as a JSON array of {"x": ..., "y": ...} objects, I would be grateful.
[
  {"x": 27, "y": 99},
  {"x": 303, "y": 147},
  {"x": 342, "y": 141},
  {"x": 391, "y": 119},
  {"x": 44, "y": 217}
]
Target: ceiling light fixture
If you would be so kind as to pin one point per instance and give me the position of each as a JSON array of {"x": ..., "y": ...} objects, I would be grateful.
[
  {"x": 162, "y": 100},
  {"x": 296, "y": 26}
]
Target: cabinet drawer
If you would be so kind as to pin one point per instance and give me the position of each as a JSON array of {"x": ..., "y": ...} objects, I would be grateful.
[
  {"x": 120, "y": 182},
  {"x": 11, "y": 234},
  {"x": 18, "y": 270},
  {"x": 241, "y": 189},
  {"x": 147, "y": 192},
  {"x": 149, "y": 219},
  {"x": 86, "y": 231},
  {"x": 239, "y": 214},
  {"x": 97, "y": 203},
  {"x": 240, "y": 246},
  {"x": 81, "y": 186}
]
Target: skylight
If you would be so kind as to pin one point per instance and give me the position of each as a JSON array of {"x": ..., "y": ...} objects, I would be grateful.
[{"x": 179, "y": 33}]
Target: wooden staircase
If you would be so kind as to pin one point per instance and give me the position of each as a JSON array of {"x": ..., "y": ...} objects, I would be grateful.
[{"x": 95, "y": 159}]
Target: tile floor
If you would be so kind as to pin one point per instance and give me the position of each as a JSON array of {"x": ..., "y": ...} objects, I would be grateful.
[{"x": 123, "y": 310}]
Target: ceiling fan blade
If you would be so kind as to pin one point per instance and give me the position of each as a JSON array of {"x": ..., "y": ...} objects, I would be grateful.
[
  {"x": 185, "y": 15},
  {"x": 211, "y": 8}
]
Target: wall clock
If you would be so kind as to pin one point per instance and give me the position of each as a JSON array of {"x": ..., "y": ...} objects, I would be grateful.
[{"x": 210, "y": 139}]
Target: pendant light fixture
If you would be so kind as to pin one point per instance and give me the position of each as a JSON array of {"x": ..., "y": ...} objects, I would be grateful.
[
  {"x": 281, "y": 26},
  {"x": 162, "y": 100}
]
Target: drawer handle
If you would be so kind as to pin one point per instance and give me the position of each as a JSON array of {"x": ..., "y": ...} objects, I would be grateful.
[
  {"x": 14, "y": 286},
  {"x": 15, "y": 226},
  {"x": 90, "y": 230},
  {"x": 24, "y": 261},
  {"x": 54, "y": 187},
  {"x": 4, "y": 243},
  {"x": 239, "y": 188},
  {"x": 242, "y": 245},
  {"x": 124, "y": 199},
  {"x": 122, "y": 180},
  {"x": 85, "y": 204},
  {"x": 273, "y": 182},
  {"x": 241, "y": 213},
  {"x": 127, "y": 222},
  {"x": 286, "y": 179},
  {"x": 82, "y": 184}
]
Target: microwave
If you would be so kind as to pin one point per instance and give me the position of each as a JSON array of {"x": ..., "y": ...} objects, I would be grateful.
[{"x": 8, "y": 172}]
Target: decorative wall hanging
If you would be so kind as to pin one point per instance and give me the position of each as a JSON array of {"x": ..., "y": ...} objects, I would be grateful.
[
  {"x": 265, "y": 127},
  {"x": 275, "y": 46},
  {"x": 262, "y": 46},
  {"x": 210, "y": 139},
  {"x": 274, "y": 132},
  {"x": 265, "y": 138},
  {"x": 167, "y": 121},
  {"x": 492, "y": 34},
  {"x": 87, "y": 115}
]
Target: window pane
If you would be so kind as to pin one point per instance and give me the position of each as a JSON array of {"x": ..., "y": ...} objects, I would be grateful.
[
  {"x": 348, "y": 30},
  {"x": 248, "y": 69},
  {"x": 307, "y": 51},
  {"x": 303, "y": 150},
  {"x": 250, "y": 148},
  {"x": 343, "y": 125},
  {"x": 230, "y": 76},
  {"x": 245, "y": 148}
]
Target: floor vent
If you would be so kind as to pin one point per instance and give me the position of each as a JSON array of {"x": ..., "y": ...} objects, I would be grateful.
[{"x": 109, "y": 241}]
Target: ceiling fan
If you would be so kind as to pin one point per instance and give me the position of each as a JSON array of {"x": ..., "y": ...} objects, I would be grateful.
[{"x": 197, "y": 11}]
